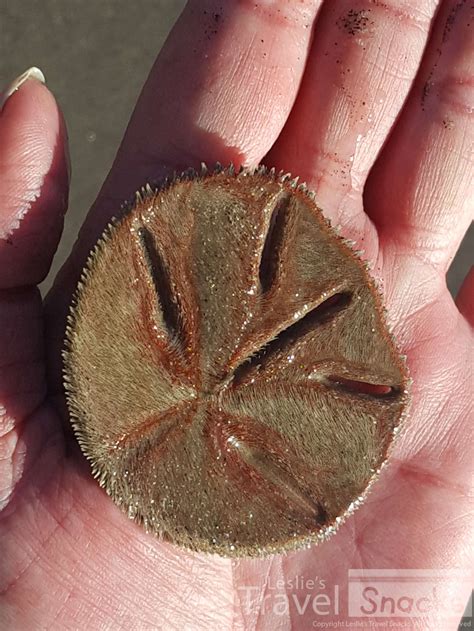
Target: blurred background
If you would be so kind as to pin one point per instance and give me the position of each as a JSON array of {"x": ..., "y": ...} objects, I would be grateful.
[{"x": 96, "y": 56}]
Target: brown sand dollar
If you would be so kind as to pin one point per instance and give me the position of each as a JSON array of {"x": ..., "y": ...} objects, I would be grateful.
[{"x": 229, "y": 372}]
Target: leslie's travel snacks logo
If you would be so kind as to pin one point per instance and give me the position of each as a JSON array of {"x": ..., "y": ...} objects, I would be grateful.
[{"x": 371, "y": 599}]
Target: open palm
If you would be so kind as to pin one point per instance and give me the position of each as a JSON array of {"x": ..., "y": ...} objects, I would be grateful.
[{"x": 372, "y": 109}]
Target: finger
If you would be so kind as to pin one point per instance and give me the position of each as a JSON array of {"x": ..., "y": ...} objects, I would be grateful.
[
  {"x": 420, "y": 191},
  {"x": 360, "y": 69},
  {"x": 33, "y": 194},
  {"x": 220, "y": 90},
  {"x": 33, "y": 182},
  {"x": 465, "y": 297}
]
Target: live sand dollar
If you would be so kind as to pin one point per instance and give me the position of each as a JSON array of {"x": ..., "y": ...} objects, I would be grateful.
[{"x": 228, "y": 368}]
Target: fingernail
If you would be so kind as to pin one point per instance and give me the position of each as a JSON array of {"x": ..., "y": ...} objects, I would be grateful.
[{"x": 31, "y": 73}]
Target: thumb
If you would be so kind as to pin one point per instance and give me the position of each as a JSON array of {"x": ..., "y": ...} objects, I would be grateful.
[
  {"x": 33, "y": 197},
  {"x": 34, "y": 178}
]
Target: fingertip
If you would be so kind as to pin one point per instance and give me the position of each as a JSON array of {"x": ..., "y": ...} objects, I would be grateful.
[
  {"x": 34, "y": 179},
  {"x": 465, "y": 297},
  {"x": 29, "y": 74}
]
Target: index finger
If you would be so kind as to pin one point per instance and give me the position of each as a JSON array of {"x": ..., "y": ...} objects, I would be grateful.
[{"x": 221, "y": 89}]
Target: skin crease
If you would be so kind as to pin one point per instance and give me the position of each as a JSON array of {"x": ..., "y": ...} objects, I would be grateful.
[{"x": 69, "y": 556}]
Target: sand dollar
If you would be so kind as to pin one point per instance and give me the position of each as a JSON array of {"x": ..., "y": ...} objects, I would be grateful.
[{"x": 228, "y": 369}]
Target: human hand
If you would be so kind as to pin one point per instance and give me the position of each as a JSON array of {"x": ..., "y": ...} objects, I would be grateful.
[{"x": 384, "y": 140}]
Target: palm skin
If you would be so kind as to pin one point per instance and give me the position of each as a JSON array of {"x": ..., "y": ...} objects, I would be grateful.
[{"x": 70, "y": 558}]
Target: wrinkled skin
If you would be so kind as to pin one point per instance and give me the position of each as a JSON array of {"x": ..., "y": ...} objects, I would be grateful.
[{"x": 70, "y": 558}]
